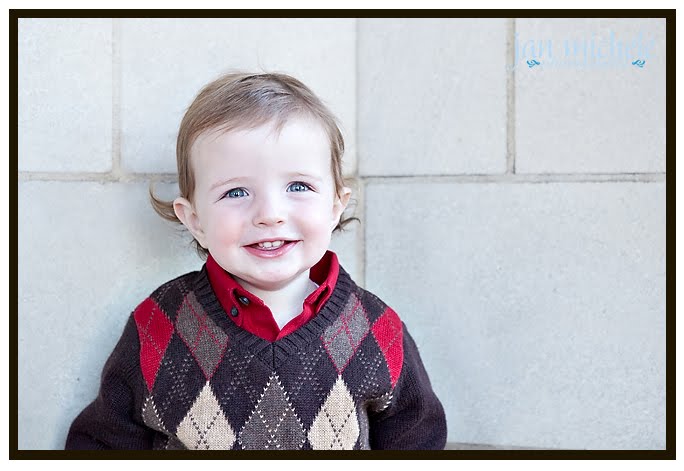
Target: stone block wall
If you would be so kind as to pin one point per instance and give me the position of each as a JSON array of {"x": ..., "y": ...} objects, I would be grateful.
[{"x": 512, "y": 212}]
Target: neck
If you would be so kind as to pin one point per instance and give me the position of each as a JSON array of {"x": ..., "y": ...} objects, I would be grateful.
[{"x": 285, "y": 303}]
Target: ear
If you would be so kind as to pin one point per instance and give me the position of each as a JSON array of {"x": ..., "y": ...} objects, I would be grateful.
[
  {"x": 340, "y": 204},
  {"x": 188, "y": 216}
]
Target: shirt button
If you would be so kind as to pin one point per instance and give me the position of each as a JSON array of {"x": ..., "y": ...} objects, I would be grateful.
[
  {"x": 244, "y": 300},
  {"x": 234, "y": 312}
]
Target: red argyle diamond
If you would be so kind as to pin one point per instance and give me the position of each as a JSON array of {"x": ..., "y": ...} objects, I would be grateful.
[
  {"x": 154, "y": 330},
  {"x": 389, "y": 334}
]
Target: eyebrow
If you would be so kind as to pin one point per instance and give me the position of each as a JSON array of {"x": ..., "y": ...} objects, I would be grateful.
[
  {"x": 221, "y": 183},
  {"x": 306, "y": 175},
  {"x": 292, "y": 175}
]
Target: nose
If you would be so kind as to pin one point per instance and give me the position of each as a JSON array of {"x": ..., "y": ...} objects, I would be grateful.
[{"x": 269, "y": 211}]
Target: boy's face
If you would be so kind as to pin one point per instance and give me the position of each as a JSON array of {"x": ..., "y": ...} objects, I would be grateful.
[{"x": 264, "y": 203}]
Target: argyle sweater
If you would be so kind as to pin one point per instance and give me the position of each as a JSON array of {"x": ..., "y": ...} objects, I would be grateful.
[{"x": 184, "y": 376}]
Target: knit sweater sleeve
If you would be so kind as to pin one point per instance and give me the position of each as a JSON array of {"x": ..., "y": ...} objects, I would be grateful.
[
  {"x": 113, "y": 420},
  {"x": 415, "y": 418}
]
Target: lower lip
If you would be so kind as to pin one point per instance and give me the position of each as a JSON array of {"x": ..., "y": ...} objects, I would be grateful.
[{"x": 282, "y": 250}]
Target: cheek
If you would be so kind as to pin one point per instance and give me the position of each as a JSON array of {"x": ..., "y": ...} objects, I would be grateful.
[
  {"x": 316, "y": 217},
  {"x": 225, "y": 227}
]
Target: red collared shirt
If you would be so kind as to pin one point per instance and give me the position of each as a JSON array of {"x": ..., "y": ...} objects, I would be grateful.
[{"x": 250, "y": 312}]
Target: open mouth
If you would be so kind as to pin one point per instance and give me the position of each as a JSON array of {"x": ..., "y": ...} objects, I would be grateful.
[
  {"x": 274, "y": 245},
  {"x": 271, "y": 248},
  {"x": 270, "y": 245}
]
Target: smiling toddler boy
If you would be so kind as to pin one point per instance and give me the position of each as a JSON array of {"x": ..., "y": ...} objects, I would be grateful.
[{"x": 271, "y": 345}]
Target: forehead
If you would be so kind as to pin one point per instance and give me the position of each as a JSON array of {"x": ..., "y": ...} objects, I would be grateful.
[
  {"x": 299, "y": 140},
  {"x": 292, "y": 132}
]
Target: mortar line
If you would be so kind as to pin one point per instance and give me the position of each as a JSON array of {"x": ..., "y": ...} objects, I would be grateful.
[
  {"x": 521, "y": 178},
  {"x": 98, "y": 177},
  {"x": 510, "y": 96}
]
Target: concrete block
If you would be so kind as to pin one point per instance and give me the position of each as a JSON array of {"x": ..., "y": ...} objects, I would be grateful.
[
  {"x": 539, "y": 309},
  {"x": 165, "y": 62},
  {"x": 65, "y": 94},
  {"x": 586, "y": 107},
  {"x": 432, "y": 96},
  {"x": 81, "y": 273}
]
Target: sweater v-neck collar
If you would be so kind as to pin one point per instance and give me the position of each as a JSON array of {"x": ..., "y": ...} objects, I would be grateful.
[
  {"x": 278, "y": 351},
  {"x": 251, "y": 313}
]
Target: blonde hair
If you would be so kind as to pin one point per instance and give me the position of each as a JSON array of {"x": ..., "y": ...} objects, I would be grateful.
[{"x": 237, "y": 101}]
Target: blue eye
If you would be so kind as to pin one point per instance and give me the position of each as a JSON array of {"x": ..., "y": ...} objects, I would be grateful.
[
  {"x": 298, "y": 187},
  {"x": 235, "y": 193}
]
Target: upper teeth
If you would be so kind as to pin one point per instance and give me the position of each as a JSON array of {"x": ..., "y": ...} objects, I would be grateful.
[{"x": 268, "y": 245}]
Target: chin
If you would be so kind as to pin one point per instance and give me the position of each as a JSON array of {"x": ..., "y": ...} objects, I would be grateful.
[{"x": 273, "y": 281}]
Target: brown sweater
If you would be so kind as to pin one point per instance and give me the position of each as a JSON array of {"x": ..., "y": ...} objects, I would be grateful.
[{"x": 183, "y": 375}]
